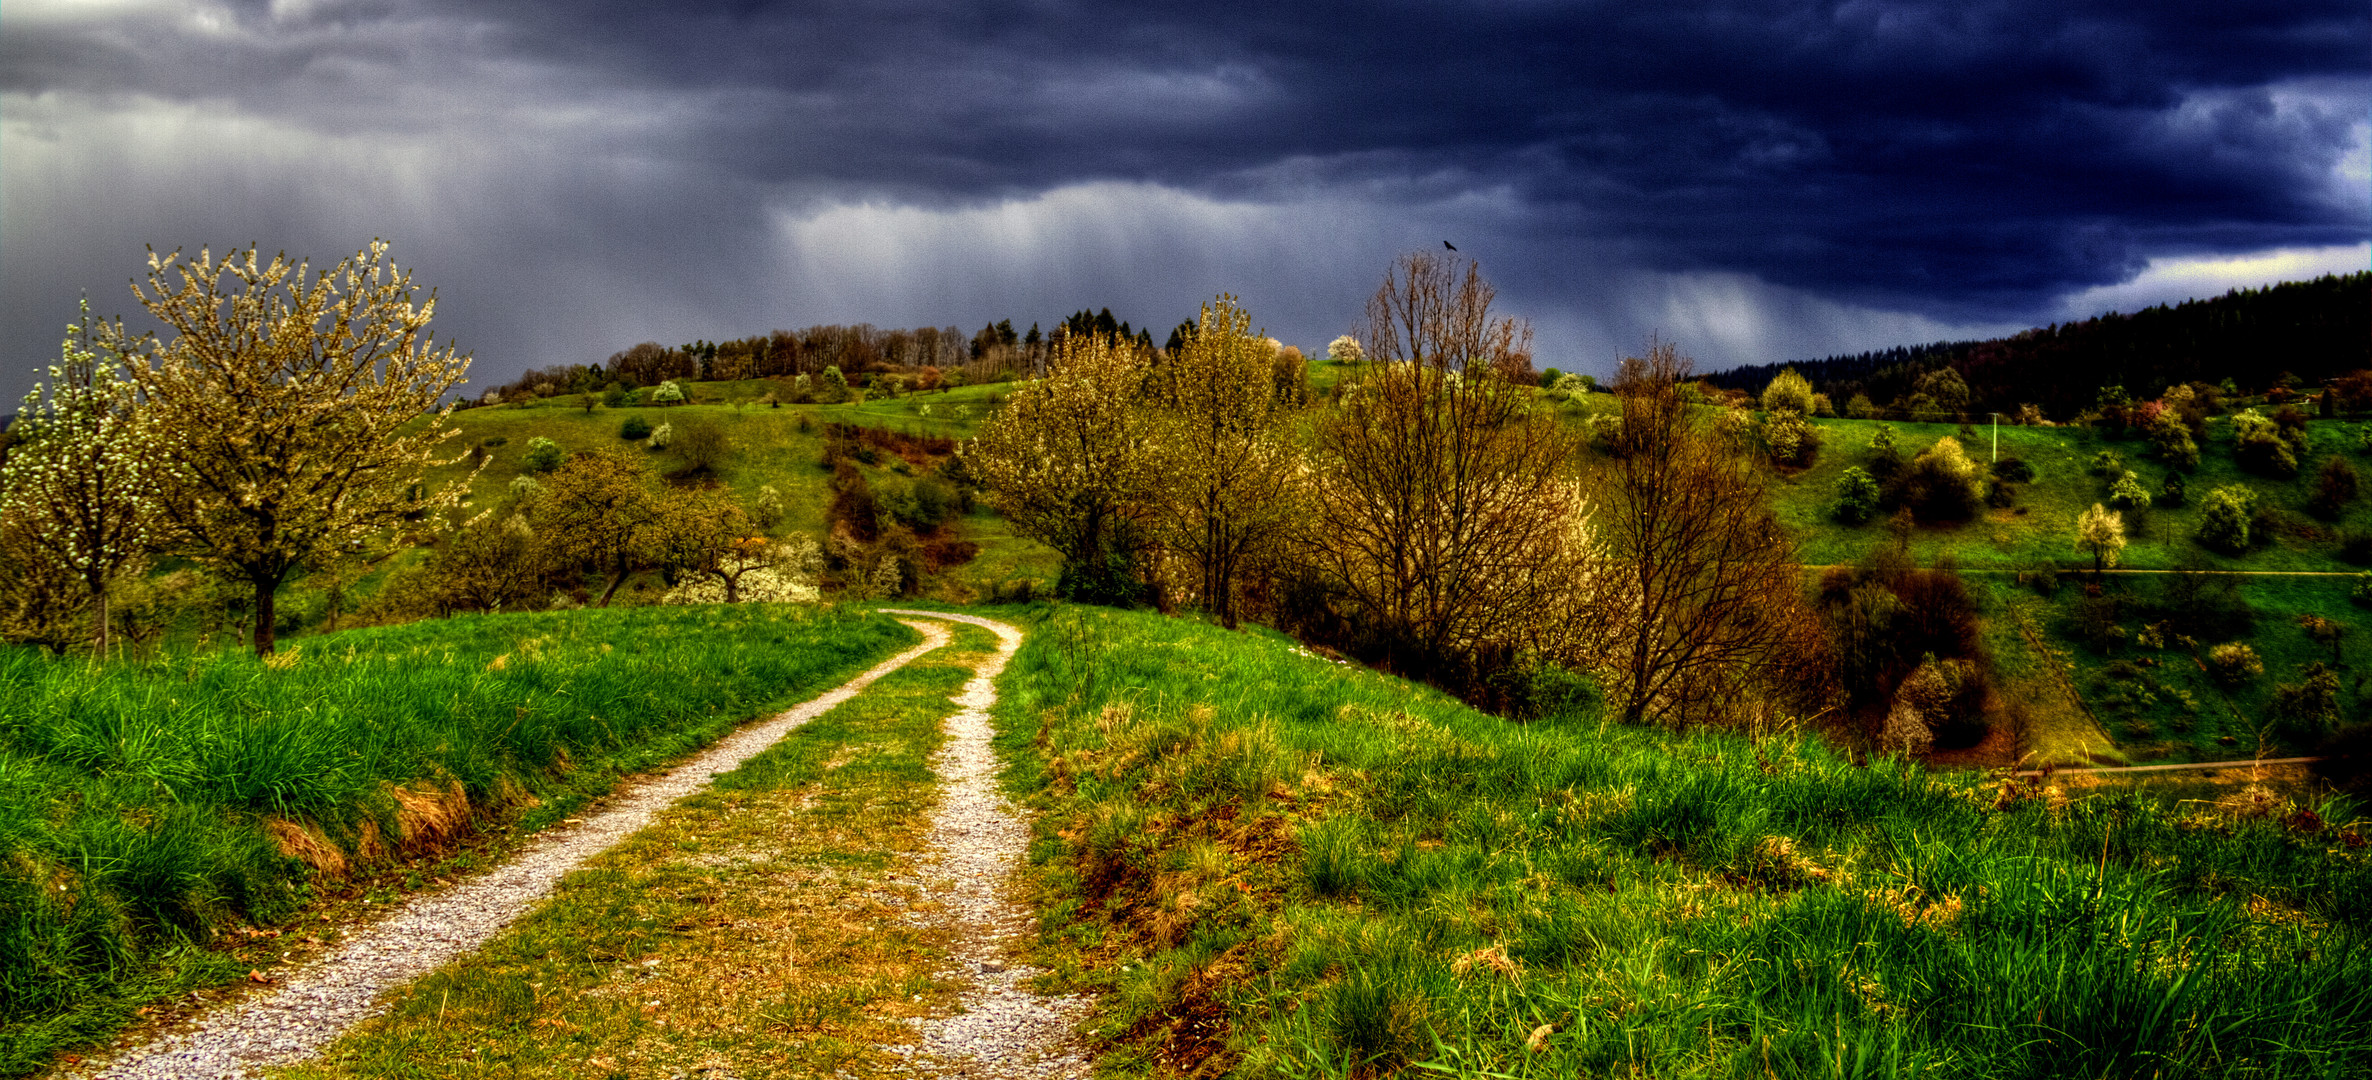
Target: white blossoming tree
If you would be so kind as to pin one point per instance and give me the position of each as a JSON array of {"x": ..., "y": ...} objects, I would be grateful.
[
  {"x": 1070, "y": 462},
  {"x": 77, "y": 487},
  {"x": 282, "y": 415}
]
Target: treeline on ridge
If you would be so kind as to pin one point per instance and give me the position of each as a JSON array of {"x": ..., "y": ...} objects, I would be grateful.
[{"x": 2312, "y": 332}]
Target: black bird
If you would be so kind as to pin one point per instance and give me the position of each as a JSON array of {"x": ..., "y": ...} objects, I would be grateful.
[{"x": 1451, "y": 246}]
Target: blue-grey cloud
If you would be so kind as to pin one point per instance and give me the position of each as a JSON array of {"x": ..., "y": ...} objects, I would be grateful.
[{"x": 1776, "y": 178}]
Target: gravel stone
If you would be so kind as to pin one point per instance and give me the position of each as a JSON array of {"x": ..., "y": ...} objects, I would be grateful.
[
  {"x": 977, "y": 840},
  {"x": 318, "y": 1002}
]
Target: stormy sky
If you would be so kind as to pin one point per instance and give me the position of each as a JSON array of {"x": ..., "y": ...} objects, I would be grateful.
[{"x": 1757, "y": 181}]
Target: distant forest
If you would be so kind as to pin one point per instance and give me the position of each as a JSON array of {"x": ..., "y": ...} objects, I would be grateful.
[
  {"x": 993, "y": 352},
  {"x": 2300, "y": 334}
]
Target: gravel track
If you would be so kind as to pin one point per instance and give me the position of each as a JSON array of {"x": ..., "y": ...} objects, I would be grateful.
[
  {"x": 319, "y": 1001},
  {"x": 977, "y": 839}
]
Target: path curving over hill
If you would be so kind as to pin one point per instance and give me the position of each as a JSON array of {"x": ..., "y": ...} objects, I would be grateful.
[
  {"x": 318, "y": 1002},
  {"x": 977, "y": 840}
]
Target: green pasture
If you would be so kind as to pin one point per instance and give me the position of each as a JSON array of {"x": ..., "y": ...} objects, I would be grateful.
[{"x": 1281, "y": 866}]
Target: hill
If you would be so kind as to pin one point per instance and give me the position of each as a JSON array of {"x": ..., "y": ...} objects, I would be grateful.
[
  {"x": 1274, "y": 865},
  {"x": 2315, "y": 330}
]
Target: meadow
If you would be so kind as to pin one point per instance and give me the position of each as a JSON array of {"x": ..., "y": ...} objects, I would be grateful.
[
  {"x": 154, "y": 812},
  {"x": 1275, "y": 865}
]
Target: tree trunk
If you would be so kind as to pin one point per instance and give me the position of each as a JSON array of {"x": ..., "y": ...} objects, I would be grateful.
[
  {"x": 265, "y": 596},
  {"x": 616, "y": 579}
]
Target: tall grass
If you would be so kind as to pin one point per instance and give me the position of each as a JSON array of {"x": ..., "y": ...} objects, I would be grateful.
[
  {"x": 146, "y": 808},
  {"x": 1288, "y": 867}
]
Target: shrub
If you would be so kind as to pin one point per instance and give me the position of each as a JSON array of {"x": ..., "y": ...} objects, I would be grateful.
[
  {"x": 668, "y": 393},
  {"x": 635, "y": 429},
  {"x": 2264, "y": 445},
  {"x": 2310, "y": 708},
  {"x": 1792, "y": 439},
  {"x": 543, "y": 455},
  {"x": 1857, "y": 497},
  {"x": 766, "y": 511},
  {"x": 2335, "y": 485},
  {"x": 835, "y": 388},
  {"x": 2107, "y": 463},
  {"x": 661, "y": 436},
  {"x": 2234, "y": 663},
  {"x": 2173, "y": 492},
  {"x": 1859, "y": 407},
  {"x": 1885, "y": 457},
  {"x": 2362, "y": 594},
  {"x": 2224, "y": 518},
  {"x": 702, "y": 444},
  {"x": 1940, "y": 484},
  {"x": 2128, "y": 494},
  {"x": 1823, "y": 407},
  {"x": 2014, "y": 470},
  {"x": 1788, "y": 392},
  {"x": 614, "y": 397}
]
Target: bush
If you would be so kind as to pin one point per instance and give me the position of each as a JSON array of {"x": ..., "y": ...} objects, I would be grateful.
[
  {"x": 2234, "y": 663},
  {"x": 702, "y": 444},
  {"x": 1885, "y": 457},
  {"x": 1792, "y": 439},
  {"x": 766, "y": 511},
  {"x": 661, "y": 436},
  {"x": 1941, "y": 484},
  {"x": 2128, "y": 494},
  {"x": 635, "y": 429},
  {"x": 1788, "y": 392},
  {"x": 2362, "y": 594},
  {"x": 2335, "y": 485},
  {"x": 2309, "y": 709},
  {"x": 2107, "y": 463},
  {"x": 614, "y": 397},
  {"x": 2266, "y": 446},
  {"x": 543, "y": 455},
  {"x": 668, "y": 393},
  {"x": 1857, "y": 497},
  {"x": 2014, "y": 470},
  {"x": 2224, "y": 519},
  {"x": 835, "y": 388},
  {"x": 2173, "y": 492}
]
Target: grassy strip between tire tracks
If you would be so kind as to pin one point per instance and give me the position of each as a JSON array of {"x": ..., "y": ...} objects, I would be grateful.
[
  {"x": 761, "y": 928},
  {"x": 1277, "y": 866},
  {"x": 152, "y": 813}
]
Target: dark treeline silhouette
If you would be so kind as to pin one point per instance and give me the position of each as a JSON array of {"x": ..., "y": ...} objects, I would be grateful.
[
  {"x": 995, "y": 351},
  {"x": 2314, "y": 330}
]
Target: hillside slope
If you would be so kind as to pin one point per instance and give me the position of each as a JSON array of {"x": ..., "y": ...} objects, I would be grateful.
[{"x": 1278, "y": 866}]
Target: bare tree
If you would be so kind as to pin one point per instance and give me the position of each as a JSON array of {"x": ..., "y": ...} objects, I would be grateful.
[
  {"x": 278, "y": 411},
  {"x": 1704, "y": 593},
  {"x": 1446, "y": 518}
]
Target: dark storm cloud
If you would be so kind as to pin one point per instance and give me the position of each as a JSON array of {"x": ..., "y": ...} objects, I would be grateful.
[{"x": 1963, "y": 162}]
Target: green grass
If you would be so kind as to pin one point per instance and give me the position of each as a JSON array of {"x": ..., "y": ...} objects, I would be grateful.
[
  {"x": 139, "y": 803},
  {"x": 1294, "y": 868},
  {"x": 2040, "y": 527}
]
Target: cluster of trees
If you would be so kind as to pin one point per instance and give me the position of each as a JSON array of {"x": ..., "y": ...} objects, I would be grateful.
[
  {"x": 2317, "y": 328},
  {"x": 1438, "y": 520},
  {"x": 604, "y": 509},
  {"x": 275, "y": 430}
]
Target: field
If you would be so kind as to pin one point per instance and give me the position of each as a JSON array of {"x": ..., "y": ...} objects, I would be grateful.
[
  {"x": 1278, "y": 866},
  {"x": 152, "y": 812}
]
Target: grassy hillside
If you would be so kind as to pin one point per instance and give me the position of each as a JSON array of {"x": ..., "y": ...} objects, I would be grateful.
[
  {"x": 149, "y": 809},
  {"x": 1279, "y": 866}
]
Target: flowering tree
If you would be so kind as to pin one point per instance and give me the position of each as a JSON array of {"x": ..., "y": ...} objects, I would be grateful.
[
  {"x": 77, "y": 485},
  {"x": 275, "y": 416},
  {"x": 1068, "y": 459},
  {"x": 2101, "y": 531},
  {"x": 1231, "y": 479}
]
